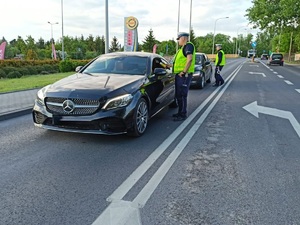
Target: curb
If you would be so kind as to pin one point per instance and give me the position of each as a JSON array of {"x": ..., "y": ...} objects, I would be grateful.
[{"x": 16, "y": 113}]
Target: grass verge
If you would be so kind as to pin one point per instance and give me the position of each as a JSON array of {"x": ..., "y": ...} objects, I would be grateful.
[{"x": 30, "y": 82}]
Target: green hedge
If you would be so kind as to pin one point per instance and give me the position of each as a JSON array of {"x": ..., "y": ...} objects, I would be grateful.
[{"x": 34, "y": 67}]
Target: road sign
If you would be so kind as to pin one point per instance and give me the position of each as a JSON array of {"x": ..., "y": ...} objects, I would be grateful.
[{"x": 253, "y": 44}]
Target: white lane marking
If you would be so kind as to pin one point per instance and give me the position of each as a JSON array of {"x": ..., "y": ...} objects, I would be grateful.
[
  {"x": 271, "y": 70},
  {"x": 258, "y": 73},
  {"x": 254, "y": 65},
  {"x": 298, "y": 90},
  {"x": 275, "y": 72},
  {"x": 254, "y": 109},
  {"x": 110, "y": 215},
  {"x": 288, "y": 82},
  {"x": 280, "y": 76}
]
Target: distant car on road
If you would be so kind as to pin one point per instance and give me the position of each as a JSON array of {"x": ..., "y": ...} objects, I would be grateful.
[
  {"x": 276, "y": 58},
  {"x": 264, "y": 56},
  {"x": 203, "y": 71},
  {"x": 115, "y": 93}
]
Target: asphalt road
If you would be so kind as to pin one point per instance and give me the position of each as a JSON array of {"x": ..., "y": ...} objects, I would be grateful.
[{"x": 223, "y": 165}]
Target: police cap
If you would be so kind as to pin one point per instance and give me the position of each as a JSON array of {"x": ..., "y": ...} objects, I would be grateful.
[{"x": 182, "y": 34}]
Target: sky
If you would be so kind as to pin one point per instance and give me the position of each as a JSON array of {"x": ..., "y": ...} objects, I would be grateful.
[{"x": 87, "y": 17}]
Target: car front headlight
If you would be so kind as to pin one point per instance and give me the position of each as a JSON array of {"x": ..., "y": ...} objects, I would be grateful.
[
  {"x": 40, "y": 96},
  {"x": 118, "y": 102},
  {"x": 196, "y": 73}
]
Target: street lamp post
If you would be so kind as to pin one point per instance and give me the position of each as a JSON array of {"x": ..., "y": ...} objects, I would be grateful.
[
  {"x": 237, "y": 37},
  {"x": 178, "y": 23},
  {"x": 213, "y": 45},
  {"x": 190, "y": 28},
  {"x": 52, "y": 40},
  {"x": 62, "y": 31}
]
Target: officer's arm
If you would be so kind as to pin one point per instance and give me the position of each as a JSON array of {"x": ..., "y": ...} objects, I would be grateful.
[{"x": 189, "y": 59}]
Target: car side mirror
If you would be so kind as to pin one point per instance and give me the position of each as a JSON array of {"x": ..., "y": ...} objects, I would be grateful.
[
  {"x": 78, "y": 68},
  {"x": 207, "y": 63},
  {"x": 160, "y": 72}
]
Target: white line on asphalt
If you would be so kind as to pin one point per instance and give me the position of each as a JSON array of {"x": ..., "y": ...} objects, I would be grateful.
[
  {"x": 275, "y": 72},
  {"x": 129, "y": 210},
  {"x": 298, "y": 90},
  {"x": 280, "y": 76},
  {"x": 258, "y": 73},
  {"x": 288, "y": 82}
]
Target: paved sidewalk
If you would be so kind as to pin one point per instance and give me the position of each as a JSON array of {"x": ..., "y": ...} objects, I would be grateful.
[{"x": 17, "y": 103}]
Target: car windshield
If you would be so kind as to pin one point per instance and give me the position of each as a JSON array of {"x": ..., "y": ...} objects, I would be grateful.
[{"x": 116, "y": 64}]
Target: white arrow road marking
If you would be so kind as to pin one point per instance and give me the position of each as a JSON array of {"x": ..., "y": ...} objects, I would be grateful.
[
  {"x": 280, "y": 76},
  {"x": 258, "y": 73},
  {"x": 254, "y": 109},
  {"x": 254, "y": 65},
  {"x": 298, "y": 90},
  {"x": 288, "y": 82}
]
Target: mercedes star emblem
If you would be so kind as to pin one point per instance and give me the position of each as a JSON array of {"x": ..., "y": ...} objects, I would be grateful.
[{"x": 68, "y": 106}]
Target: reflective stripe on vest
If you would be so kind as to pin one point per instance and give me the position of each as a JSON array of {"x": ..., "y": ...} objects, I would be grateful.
[{"x": 180, "y": 61}]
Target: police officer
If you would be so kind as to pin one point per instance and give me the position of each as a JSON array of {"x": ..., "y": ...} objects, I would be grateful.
[
  {"x": 183, "y": 67},
  {"x": 219, "y": 62}
]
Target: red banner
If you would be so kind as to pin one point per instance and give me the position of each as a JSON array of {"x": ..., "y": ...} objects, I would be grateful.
[{"x": 2, "y": 50}]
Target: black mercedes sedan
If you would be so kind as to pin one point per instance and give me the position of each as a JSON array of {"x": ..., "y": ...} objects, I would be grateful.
[
  {"x": 116, "y": 93},
  {"x": 203, "y": 71}
]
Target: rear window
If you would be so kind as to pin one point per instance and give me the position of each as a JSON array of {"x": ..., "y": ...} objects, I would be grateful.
[{"x": 277, "y": 56}]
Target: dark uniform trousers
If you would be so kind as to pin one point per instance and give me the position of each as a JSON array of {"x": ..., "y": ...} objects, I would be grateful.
[
  {"x": 182, "y": 85},
  {"x": 218, "y": 77}
]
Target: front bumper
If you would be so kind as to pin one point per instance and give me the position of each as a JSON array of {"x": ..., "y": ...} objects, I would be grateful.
[{"x": 110, "y": 122}]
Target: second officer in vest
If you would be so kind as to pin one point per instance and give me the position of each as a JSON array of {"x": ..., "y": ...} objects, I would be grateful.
[
  {"x": 183, "y": 67},
  {"x": 220, "y": 62}
]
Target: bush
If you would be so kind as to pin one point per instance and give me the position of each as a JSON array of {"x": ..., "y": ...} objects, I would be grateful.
[
  {"x": 39, "y": 69},
  {"x": 24, "y": 71},
  {"x": 8, "y": 69},
  {"x": 32, "y": 70},
  {"x": 14, "y": 74},
  {"x": 2, "y": 74},
  {"x": 66, "y": 66}
]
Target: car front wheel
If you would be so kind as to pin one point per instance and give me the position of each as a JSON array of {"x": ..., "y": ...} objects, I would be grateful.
[
  {"x": 140, "y": 119},
  {"x": 202, "y": 81}
]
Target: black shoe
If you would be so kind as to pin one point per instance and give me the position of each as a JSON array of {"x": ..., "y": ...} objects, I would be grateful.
[
  {"x": 180, "y": 118},
  {"x": 176, "y": 115},
  {"x": 222, "y": 82}
]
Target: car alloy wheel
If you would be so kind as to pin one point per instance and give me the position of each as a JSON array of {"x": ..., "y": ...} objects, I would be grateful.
[
  {"x": 140, "y": 120},
  {"x": 202, "y": 81}
]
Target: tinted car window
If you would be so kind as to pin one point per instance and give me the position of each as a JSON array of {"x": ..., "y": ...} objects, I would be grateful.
[
  {"x": 199, "y": 59},
  {"x": 277, "y": 56}
]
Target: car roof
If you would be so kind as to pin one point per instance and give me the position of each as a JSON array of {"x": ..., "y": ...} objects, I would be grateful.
[{"x": 142, "y": 54}]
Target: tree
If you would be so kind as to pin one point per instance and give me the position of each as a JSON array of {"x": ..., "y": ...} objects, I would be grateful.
[
  {"x": 278, "y": 18},
  {"x": 192, "y": 37},
  {"x": 149, "y": 42},
  {"x": 115, "y": 46}
]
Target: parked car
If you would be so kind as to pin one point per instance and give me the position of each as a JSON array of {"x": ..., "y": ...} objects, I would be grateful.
[
  {"x": 203, "y": 71},
  {"x": 264, "y": 56},
  {"x": 116, "y": 93},
  {"x": 276, "y": 58}
]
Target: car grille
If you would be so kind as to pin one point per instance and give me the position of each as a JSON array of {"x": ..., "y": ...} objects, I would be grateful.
[{"x": 77, "y": 106}]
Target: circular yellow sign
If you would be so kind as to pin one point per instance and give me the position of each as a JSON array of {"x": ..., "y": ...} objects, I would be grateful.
[{"x": 131, "y": 23}]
